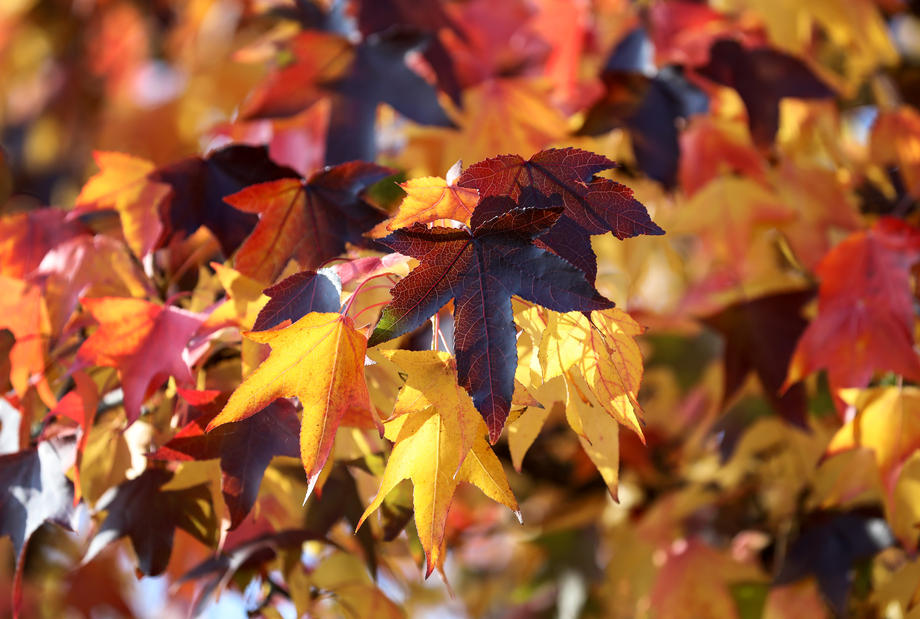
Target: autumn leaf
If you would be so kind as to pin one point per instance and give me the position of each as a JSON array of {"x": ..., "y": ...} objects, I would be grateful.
[
  {"x": 310, "y": 220},
  {"x": 887, "y": 421},
  {"x": 296, "y": 296},
  {"x": 144, "y": 341},
  {"x": 432, "y": 414},
  {"x": 320, "y": 360},
  {"x": 600, "y": 354},
  {"x": 123, "y": 184},
  {"x": 200, "y": 184},
  {"x": 23, "y": 311},
  {"x": 429, "y": 199},
  {"x": 35, "y": 490},
  {"x": 244, "y": 448},
  {"x": 760, "y": 336},
  {"x": 482, "y": 269},
  {"x": 79, "y": 405},
  {"x": 25, "y": 238},
  {"x": 591, "y": 206},
  {"x": 148, "y": 515},
  {"x": 865, "y": 309},
  {"x": 762, "y": 77}
]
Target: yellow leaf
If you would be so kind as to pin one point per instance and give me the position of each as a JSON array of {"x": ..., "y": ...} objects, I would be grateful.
[
  {"x": 122, "y": 185},
  {"x": 439, "y": 441},
  {"x": 319, "y": 359},
  {"x": 604, "y": 354},
  {"x": 428, "y": 199},
  {"x": 887, "y": 421},
  {"x": 599, "y": 435}
]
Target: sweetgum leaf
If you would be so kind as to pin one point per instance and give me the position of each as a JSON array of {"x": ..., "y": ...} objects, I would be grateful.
[
  {"x": 481, "y": 269},
  {"x": 245, "y": 449},
  {"x": 35, "y": 489},
  {"x": 149, "y": 516},
  {"x": 200, "y": 185},
  {"x": 591, "y": 205},
  {"x": 296, "y": 296},
  {"x": 310, "y": 220},
  {"x": 760, "y": 336},
  {"x": 762, "y": 77}
]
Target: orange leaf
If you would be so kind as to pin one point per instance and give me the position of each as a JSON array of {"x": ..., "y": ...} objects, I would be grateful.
[
  {"x": 122, "y": 184},
  {"x": 429, "y": 199}
]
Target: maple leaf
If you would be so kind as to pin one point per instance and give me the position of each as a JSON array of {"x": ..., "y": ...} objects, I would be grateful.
[
  {"x": 598, "y": 356},
  {"x": 148, "y": 515},
  {"x": 245, "y": 449},
  {"x": 296, "y": 296},
  {"x": 23, "y": 311},
  {"x": 760, "y": 336},
  {"x": 591, "y": 206},
  {"x": 87, "y": 266},
  {"x": 427, "y": 17},
  {"x": 200, "y": 184},
  {"x": 429, "y": 199},
  {"x": 25, "y": 238},
  {"x": 123, "y": 184},
  {"x": 828, "y": 546},
  {"x": 319, "y": 359},
  {"x": 79, "y": 405},
  {"x": 310, "y": 220},
  {"x": 35, "y": 490},
  {"x": 648, "y": 106},
  {"x": 432, "y": 413},
  {"x": 865, "y": 309},
  {"x": 144, "y": 341},
  {"x": 887, "y": 421},
  {"x": 762, "y": 76},
  {"x": 709, "y": 148},
  {"x": 481, "y": 269}
]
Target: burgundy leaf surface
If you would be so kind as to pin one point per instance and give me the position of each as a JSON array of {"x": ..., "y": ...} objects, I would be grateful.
[
  {"x": 481, "y": 270},
  {"x": 295, "y": 297}
]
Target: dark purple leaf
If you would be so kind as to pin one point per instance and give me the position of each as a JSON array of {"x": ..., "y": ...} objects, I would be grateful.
[
  {"x": 245, "y": 449},
  {"x": 201, "y": 184},
  {"x": 295, "y": 297},
  {"x": 762, "y": 77},
  {"x": 149, "y": 516},
  {"x": 481, "y": 270}
]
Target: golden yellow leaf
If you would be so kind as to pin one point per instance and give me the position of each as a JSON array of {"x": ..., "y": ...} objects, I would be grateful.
[
  {"x": 604, "y": 354},
  {"x": 431, "y": 198},
  {"x": 122, "y": 184},
  {"x": 439, "y": 441},
  {"x": 319, "y": 359}
]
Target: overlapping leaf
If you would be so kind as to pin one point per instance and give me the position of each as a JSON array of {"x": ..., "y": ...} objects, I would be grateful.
[
  {"x": 148, "y": 515},
  {"x": 865, "y": 309},
  {"x": 309, "y": 220},
  {"x": 144, "y": 341},
  {"x": 319, "y": 359},
  {"x": 592, "y": 205},
  {"x": 481, "y": 269},
  {"x": 433, "y": 412},
  {"x": 123, "y": 184},
  {"x": 245, "y": 449}
]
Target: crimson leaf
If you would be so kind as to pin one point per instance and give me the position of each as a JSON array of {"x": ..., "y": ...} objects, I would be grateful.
[{"x": 481, "y": 269}]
